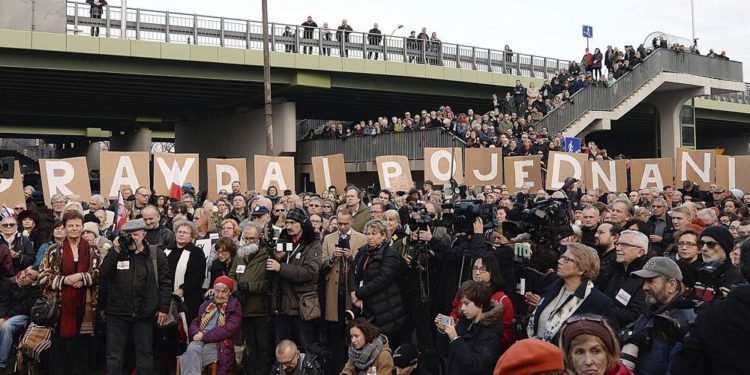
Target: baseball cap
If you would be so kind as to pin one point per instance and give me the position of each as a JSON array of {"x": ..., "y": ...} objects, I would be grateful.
[
  {"x": 405, "y": 356},
  {"x": 660, "y": 266},
  {"x": 260, "y": 210}
]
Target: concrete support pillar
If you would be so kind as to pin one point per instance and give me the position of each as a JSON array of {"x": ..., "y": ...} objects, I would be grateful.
[
  {"x": 240, "y": 135},
  {"x": 34, "y": 15},
  {"x": 669, "y": 104},
  {"x": 92, "y": 156},
  {"x": 138, "y": 139}
]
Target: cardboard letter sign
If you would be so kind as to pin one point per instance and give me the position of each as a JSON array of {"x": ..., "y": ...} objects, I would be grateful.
[
  {"x": 650, "y": 173},
  {"x": 66, "y": 177},
  {"x": 696, "y": 166},
  {"x": 329, "y": 170},
  {"x": 484, "y": 166},
  {"x": 165, "y": 166},
  {"x": 275, "y": 171},
  {"x": 726, "y": 172},
  {"x": 221, "y": 174},
  {"x": 121, "y": 170},
  {"x": 394, "y": 173},
  {"x": 442, "y": 164},
  {"x": 607, "y": 175},
  {"x": 562, "y": 165},
  {"x": 11, "y": 189},
  {"x": 523, "y": 170}
]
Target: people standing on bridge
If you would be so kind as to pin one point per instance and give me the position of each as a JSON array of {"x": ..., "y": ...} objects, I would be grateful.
[
  {"x": 309, "y": 33},
  {"x": 423, "y": 40},
  {"x": 374, "y": 37},
  {"x": 96, "y": 10},
  {"x": 435, "y": 47},
  {"x": 342, "y": 35},
  {"x": 289, "y": 46},
  {"x": 411, "y": 45},
  {"x": 327, "y": 36}
]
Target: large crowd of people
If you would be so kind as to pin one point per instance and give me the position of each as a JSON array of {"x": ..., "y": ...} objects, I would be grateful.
[{"x": 354, "y": 282}]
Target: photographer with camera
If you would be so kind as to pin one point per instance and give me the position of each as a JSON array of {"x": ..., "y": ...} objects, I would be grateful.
[
  {"x": 253, "y": 290},
  {"x": 656, "y": 336},
  {"x": 140, "y": 286},
  {"x": 339, "y": 248}
]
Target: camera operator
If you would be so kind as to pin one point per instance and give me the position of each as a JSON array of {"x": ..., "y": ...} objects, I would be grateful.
[
  {"x": 140, "y": 286},
  {"x": 657, "y": 334}
]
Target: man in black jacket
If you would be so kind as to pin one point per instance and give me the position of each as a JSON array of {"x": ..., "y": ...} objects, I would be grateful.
[
  {"x": 342, "y": 35},
  {"x": 624, "y": 287},
  {"x": 156, "y": 234},
  {"x": 374, "y": 38},
  {"x": 661, "y": 227},
  {"x": 308, "y": 33},
  {"x": 97, "y": 8},
  {"x": 717, "y": 343},
  {"x": 139, "y": 288},
  {"x": 17, "y": 296}
]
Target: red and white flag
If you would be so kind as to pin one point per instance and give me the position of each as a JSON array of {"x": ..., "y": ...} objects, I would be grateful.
[
  {"x": 175, "y": 189},
  {"x": 121, "y": 215}
]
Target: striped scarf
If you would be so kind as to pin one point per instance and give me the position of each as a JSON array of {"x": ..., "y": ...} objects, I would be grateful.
[{"x": 212, "y": 309}]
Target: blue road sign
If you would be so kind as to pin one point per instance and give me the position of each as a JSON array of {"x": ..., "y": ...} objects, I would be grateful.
[
  {"x": 588, "y": 31},
  {"x": 572, "y": 144}
]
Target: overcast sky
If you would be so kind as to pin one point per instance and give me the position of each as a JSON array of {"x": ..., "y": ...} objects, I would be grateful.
[{"x": 540, "y": 27}]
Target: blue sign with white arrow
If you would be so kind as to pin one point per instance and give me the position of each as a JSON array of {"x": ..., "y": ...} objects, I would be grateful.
[
  {"x": 572, "y": 144},
  {"x": 588, "y": 31}
]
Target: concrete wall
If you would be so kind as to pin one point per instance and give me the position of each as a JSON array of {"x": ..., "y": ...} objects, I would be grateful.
[
  {"x": 33, "y": 15},
  {"x": 240, "y": 135}
]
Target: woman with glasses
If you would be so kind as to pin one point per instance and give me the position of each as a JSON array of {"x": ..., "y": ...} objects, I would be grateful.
[
  {"x": 590, "y": 347},
  {"x": 278, "y": 217},
  {"x": 187, "y": 265},
  {"x": 573, "y": 293},
  {"x": 253, "y": 287},
  {"x": 70, "y": 273},
  {"x": 317, "y": 222},
  {"x": 204, "y": 223},
  {"x": 226, "y": 250},
  {"x": 21, "y": 249}
]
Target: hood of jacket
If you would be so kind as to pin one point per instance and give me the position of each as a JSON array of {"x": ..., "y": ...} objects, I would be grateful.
[{"x": 494, "y": 315}]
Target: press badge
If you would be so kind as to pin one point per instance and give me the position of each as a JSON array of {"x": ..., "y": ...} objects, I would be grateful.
[
  {"x": 241, "y": 268},
  {"x": 623, "y": 297},
  {"x": 123, "y": 265}
]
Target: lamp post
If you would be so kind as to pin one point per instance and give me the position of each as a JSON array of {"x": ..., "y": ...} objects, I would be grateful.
[
  {"x": 267, "y": 101},
  {"x": 397, "y": 29},
  {"x": 692, "y": 16},
  {"x": 124, "y": 19}
]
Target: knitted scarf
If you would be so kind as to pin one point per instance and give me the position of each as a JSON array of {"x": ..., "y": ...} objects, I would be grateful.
[
  {"x": 365, "y": 357},
  {"x": 211, "y": 310},
  {"x": 561, "y": 315}
]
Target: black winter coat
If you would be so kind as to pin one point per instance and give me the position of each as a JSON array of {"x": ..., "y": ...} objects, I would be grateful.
[
  {"x": 626, "y": 290},
  {"x": 195, "y": 275},
  {"x": 477, "y": 347},
  {"x": 373, "y": 279},
  {"x": 23, "y": 246},
  {"x": 718, "y": 341},
  {"x": 134, "y": 292},
  {"x": 161, "y": 237},
  {"x": 15, "y": 300}
]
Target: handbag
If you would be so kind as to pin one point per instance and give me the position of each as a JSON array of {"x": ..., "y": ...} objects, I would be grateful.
[
  {"x": 45, "y": 312},
  {"x": 309, "y": 306}
]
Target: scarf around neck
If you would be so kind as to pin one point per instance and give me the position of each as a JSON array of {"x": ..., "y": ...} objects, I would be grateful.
[
  {"x": 365, "y": 357},
  {"x": 211, "y": 310},
  {"x": 561, "y": 314}
]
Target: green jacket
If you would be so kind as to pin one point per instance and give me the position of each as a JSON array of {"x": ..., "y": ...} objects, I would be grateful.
[
  {"x": 253, "y": 272},
  {"x": 360, "y": 218}
]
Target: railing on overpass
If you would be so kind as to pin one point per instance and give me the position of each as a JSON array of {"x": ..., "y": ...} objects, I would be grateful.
[
  {"x": 734, "y": 97},
  {"x": 27, "y": 148},
  {"x": 359, "y": 149},
  {"x": 597, "y": 98},
  {"x": 173, "y": 27}
]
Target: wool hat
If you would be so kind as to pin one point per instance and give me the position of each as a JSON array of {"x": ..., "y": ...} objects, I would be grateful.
[
  {"x": 721, "y": 235},
  {"x": 529, "y": 356},
  {"x": 296, "y": 214},
  {"x": 226, "y": 281},
  {"x": 588, "y": 327},
  {"x": 405, "y": 355},
  {"x": 91, "y": 227}
]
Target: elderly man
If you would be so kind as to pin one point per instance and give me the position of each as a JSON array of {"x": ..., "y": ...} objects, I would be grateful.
[
  {"x": 717, "y": 275},
  {"x": 98, "y": 202},
  {"x": 662, "y": 281},
  {"x": 708, "y": 216},
  {"x": 156, "y": 234},
  {"x": 661, "y": 225},
  {"x": 624, "y": 287},
  {"x": 21, "y": 248},
  {"x": 142, "y": 196},
  {"x": 58, "y": 202},
  {"x": 588, "y": 226},
  {"x": 239, "y": 212}
]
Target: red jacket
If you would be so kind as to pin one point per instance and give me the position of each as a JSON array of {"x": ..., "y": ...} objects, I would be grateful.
[{"x": 508, "y": 314}]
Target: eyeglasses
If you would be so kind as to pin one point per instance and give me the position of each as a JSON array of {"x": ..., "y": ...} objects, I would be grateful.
[
  {"x": 479, "y": 269},
  {"x": 9, "y": 225},
  {"x": 625, "y": 244},
  {"x": 313, "y": 205},
  {"x": 686, "y": 244},
  {"x": 566, "y": 259},
  {"x": 279, "y": 210},
  {"x": 290, "y": 362},
  {"x": 708, "y": 244}
]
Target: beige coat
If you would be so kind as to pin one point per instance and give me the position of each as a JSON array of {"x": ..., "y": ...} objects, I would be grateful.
[{"x": 333, "y": 270}]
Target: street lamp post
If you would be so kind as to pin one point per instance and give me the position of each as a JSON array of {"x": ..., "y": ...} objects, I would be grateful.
[
  {"x": 397, "y": 29},
  {"x": 123, "y": 19},
  {"x": 267, "y": 101}
]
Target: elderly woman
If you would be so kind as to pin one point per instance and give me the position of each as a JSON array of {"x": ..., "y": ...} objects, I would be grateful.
[
  {"x": 187, "y": 265},
  {"x": 572, "y": 293},
  {"x": 70, "y": 274},
  {"x": 590, "y": 347},
  {"x": 368, "y": 351},
  {"x": 214, "y": 331},
  {"x": 226, "y": 250},
  {"x": 21, "y": 248},
  {"x": 90, "y": 233},
  {"x": 372, "y": 280},
  {"x": 28, "y": 222},
  {"x": 57, "y": 236}
]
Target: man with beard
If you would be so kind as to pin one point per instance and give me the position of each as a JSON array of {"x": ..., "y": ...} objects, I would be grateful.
[
  {"x": 660, "y": 323},
  {"x": 605, "y": 238}
]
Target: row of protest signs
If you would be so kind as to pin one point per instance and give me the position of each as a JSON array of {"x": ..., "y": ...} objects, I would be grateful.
[{"x": 482, "y": 166}]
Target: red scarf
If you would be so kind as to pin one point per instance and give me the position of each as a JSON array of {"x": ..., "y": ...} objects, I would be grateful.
[{"x": 72, "y": 299}]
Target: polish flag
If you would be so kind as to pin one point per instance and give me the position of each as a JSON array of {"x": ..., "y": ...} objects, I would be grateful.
[
  {"x": 121, "y": 215},
  {"x": 175, "y": 189}
]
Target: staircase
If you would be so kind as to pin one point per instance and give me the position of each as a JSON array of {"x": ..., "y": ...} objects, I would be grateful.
[{"x": 594, "y": 107}]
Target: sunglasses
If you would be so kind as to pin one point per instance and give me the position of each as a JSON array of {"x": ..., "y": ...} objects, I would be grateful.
[
  {"x": 708, "y": 244},
  {"x": 9, "y": 225}
]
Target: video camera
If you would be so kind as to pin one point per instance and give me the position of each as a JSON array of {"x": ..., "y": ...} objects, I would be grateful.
[
  {"x": 127, "y": 242},
  {"x": 420, "y": 218},
  {"x": 547, "y": 221},
  {"x": 461, "y": 215}
]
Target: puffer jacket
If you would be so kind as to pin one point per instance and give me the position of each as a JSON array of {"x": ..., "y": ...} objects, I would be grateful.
[
  {"x": 225, "y": 336},
  {"x": 372, "y": 278},
  {"x": 298, "y": 275},
  {"x": 477, "y": 347},
  {"x": 257, "y": 302}
]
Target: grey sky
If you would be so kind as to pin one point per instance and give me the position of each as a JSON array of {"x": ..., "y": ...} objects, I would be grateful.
[{"x": 540, "y": 27}]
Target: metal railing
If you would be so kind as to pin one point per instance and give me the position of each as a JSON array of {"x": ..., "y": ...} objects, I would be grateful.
[
  {"x": 304, "y": 127},
  {"x": 27, "y": 147},
  {"x": 734, "y": 97},
  {"x": 358, "y": 149},
  {"x": 597, "y": 98},
  {"x": 173, "y": 27}
]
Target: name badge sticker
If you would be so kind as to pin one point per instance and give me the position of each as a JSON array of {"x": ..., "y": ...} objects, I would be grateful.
[
  {"x": 623, "y": 297},
  {"x": 241, "y": 268},
  {"x": 123, "y": 265}
]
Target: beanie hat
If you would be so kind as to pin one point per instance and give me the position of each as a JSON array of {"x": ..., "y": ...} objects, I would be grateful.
[
  {"x": 588, "y": 327},
  {"x": 529, "y": 356},
  {"x": 405, "y": 355},
  {"x": 226, "y": 281},
  {"x": 721, "y": 235},
  {"x": 91, "y": 227},
  {"x": 297, "y": 215}
]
